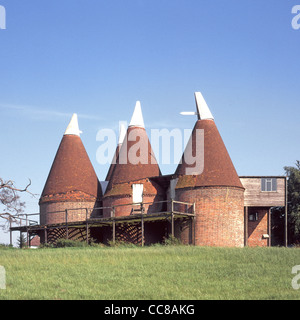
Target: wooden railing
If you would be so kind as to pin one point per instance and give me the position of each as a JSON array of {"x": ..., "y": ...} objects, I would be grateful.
[{"x": 172, "y": 209}]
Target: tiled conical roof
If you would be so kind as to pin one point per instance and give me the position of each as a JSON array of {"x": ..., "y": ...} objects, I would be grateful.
[
  {"x": 136, "y": 158},
  {"x": 213, "y": 163},
  {"x": 72, "y": 173},
  {"x": 122, "y": 134}
]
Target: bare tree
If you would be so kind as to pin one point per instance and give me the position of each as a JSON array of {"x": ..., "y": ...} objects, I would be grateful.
[{"x": 11, "y": 200}]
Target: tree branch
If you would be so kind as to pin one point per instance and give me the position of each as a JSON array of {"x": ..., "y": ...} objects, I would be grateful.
[
  {"x": 10, "y": 185},
  {"x": 10, "y": 199}
]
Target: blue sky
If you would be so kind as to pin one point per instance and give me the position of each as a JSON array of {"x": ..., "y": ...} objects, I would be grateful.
[{"x": 96, "y": 58}]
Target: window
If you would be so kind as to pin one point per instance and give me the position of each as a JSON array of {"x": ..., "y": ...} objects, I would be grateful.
[
  {"x": 253, "y": 216},
  {"x": 268, "y": 184},
  {"x": 137, "y": 193},
  {"x": 173, "y": 183}
]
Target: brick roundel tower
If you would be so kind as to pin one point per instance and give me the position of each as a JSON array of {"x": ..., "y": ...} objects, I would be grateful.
[
  {"x": 72, "y": 183},
  {"x": 129, "y": 180},
  {"x": 206, "y": 176}
]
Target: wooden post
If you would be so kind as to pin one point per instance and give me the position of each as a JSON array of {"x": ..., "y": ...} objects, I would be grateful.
[
  {"x": 194, "y": 222},
  {"x": 67, "y": 230},
  {"x": 45, "y": 234},
  {"x": 29, "y": 241},
  {"x": 172, "y": 218},
  {"x": 114, "y": 231},
  {"x": 113, "y": 213},
  {"x": 10, "y": 232},
  {"x": 172, "y": 222},
  {"x": 246, "y": 227},
  {"x": 87, "y": 225},
  {"x": 21, "y": 241},
  {"x": 27, "y": 237},
  {"x": 286, "y": 215},
  {"x": 269, "y": 227},
  {"x": 142, "y": 225}
]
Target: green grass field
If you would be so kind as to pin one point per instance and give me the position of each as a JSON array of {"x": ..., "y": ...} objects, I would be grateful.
[{"x": 158, "y": 272}]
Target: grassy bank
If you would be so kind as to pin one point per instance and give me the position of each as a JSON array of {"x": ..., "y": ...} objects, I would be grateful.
[{"x": 162, "y": 272}]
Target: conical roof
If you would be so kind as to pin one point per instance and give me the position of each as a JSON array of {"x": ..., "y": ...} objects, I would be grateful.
[
  {"x": 72, "y": 170},
  {"x": 122, "y": 134},
  {"x": 137, "y": 119},
  {"x": 136, "y": 158},
  {"x": 206, "y": 161}
]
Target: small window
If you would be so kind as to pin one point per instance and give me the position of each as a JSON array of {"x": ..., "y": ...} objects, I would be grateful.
[
  {"x": 173, "y": 183},
  {"x": 137, "y": 193},
  {"x": 253, "y": 216},
  {"x": 268, "y": 184}
]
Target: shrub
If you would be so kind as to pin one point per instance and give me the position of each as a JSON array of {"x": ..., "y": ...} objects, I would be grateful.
[
  {"x": 122, "y": 244},
  {"x": 5, "y": 246},
  {"x": 63, "y": 243},
  {"x": 46, "y": 245},
  {"x": 171, "y": 241}
]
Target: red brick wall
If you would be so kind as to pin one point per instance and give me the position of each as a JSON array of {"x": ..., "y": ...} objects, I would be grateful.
[
  {"x": 121, "y": 195},
  {"x": 152, "y": 193},
  {"x": 184, "y": 230},
  {"x": 126, "y": 202},
  {"x": 257, "y": 228},
  {"x": 219, "y": 215},
  {"x": 54, "y": 212}
]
